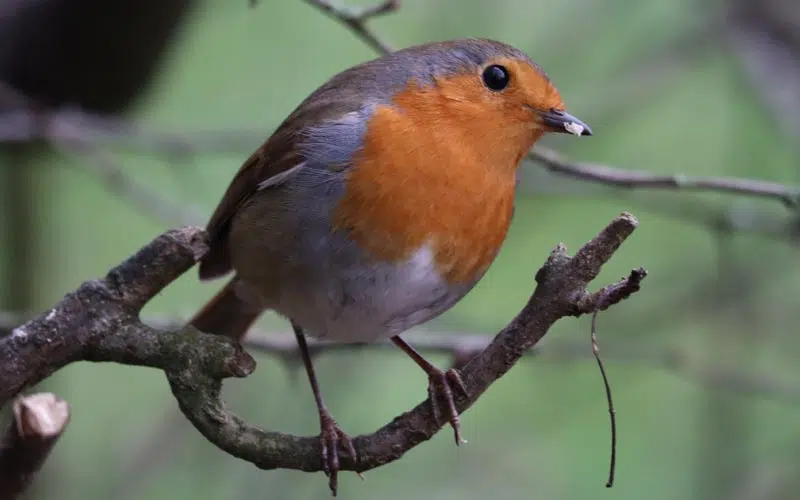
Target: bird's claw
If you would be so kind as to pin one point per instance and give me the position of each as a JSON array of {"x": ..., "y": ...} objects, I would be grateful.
[
  {"x": 333, "y": 438},
  {"x": 441, "y": 388}
]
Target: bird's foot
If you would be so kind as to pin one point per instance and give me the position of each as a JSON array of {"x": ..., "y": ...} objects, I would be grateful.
[
  {"x": 441, "y": 389},
  {"x": 333, "y": 440}
]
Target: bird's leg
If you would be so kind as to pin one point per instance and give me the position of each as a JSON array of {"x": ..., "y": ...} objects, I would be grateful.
[
  {"x": 441, "y": 386},
  {"x": 331, "y": 435}
]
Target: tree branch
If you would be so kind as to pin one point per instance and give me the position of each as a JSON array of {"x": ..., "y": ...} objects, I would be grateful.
[
  {"x": 463, "y": 346},
  {"x": 99, "y": 322},
  {"x": 74, "y": 133},
  {"x": 788, "y": 195},
  {"x": 356, "y": 18}
]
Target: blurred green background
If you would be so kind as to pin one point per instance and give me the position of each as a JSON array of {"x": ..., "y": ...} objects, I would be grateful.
[{"x": 703, "y": 362}]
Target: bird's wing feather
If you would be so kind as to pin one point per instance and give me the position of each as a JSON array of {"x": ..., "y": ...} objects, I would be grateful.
[{"x": 324, "y": 131}]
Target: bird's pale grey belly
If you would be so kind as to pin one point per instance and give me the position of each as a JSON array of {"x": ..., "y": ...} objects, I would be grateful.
[
  {"x": 362, "y": 303},
  {"x": 321, "y": 279}
]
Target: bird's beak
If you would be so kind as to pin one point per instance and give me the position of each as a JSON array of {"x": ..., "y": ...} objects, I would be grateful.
[{"x": 565, "y": 123}]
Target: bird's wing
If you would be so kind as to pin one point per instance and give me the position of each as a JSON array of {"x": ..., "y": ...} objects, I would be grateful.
[
  {"x": 324, "y": 131},
  {"x": 265, "y": 163}
]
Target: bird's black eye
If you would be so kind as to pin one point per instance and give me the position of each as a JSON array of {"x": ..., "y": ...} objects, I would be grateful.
[{"x": 495, "y": 77}]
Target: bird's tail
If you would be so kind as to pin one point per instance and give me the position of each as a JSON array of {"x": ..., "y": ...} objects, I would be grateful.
[{"x": 226, "y": 314}]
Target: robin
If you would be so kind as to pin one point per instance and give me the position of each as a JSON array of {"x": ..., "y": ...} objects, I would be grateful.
[{"x": 379, "y": 203}]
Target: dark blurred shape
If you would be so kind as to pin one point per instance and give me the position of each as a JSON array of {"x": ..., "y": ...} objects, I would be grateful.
[
  {"x": 765, "y": 35},
  {"x": 96, "y": 54},
  {"x": 778, "y": 18}
]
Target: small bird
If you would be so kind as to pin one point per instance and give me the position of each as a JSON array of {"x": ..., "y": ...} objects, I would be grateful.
[{"x": 379, "y": 203}]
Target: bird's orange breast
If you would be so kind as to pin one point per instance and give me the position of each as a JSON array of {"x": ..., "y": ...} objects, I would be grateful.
[{"x": 429, "y": 173}]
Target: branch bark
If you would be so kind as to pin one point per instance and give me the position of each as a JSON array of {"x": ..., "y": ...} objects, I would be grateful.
[
  {"x": 100, "y": 322},
  {"x": 463, "y": 346}
]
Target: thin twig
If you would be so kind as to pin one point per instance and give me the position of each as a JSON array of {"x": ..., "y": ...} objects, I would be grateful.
[
  {"x": 553, "y": 161},
  {"x": 600, "y": 301},
  {"x": 116, "y": 180},
  {"x": 74, "y": 133},
  {"x": 609, "y": 399},
  {"x": 356, "y": 18}
]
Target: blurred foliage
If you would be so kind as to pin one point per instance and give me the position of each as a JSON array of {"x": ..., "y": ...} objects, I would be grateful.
[{"x": 726, "y": 303}]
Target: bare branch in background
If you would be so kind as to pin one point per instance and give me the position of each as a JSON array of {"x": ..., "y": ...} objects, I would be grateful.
[
  {"x": 741, "y": 217},
  {"x": 81, "y": 135},
  {"x": 99, "y": 322},
  {"x": 602, "y": 174},
  {"x": 356, "y": 18},
  {"x": 39, "y": 420},
  {"x": 103, "y": 165},
  {"x": 462, "y": 346}
]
